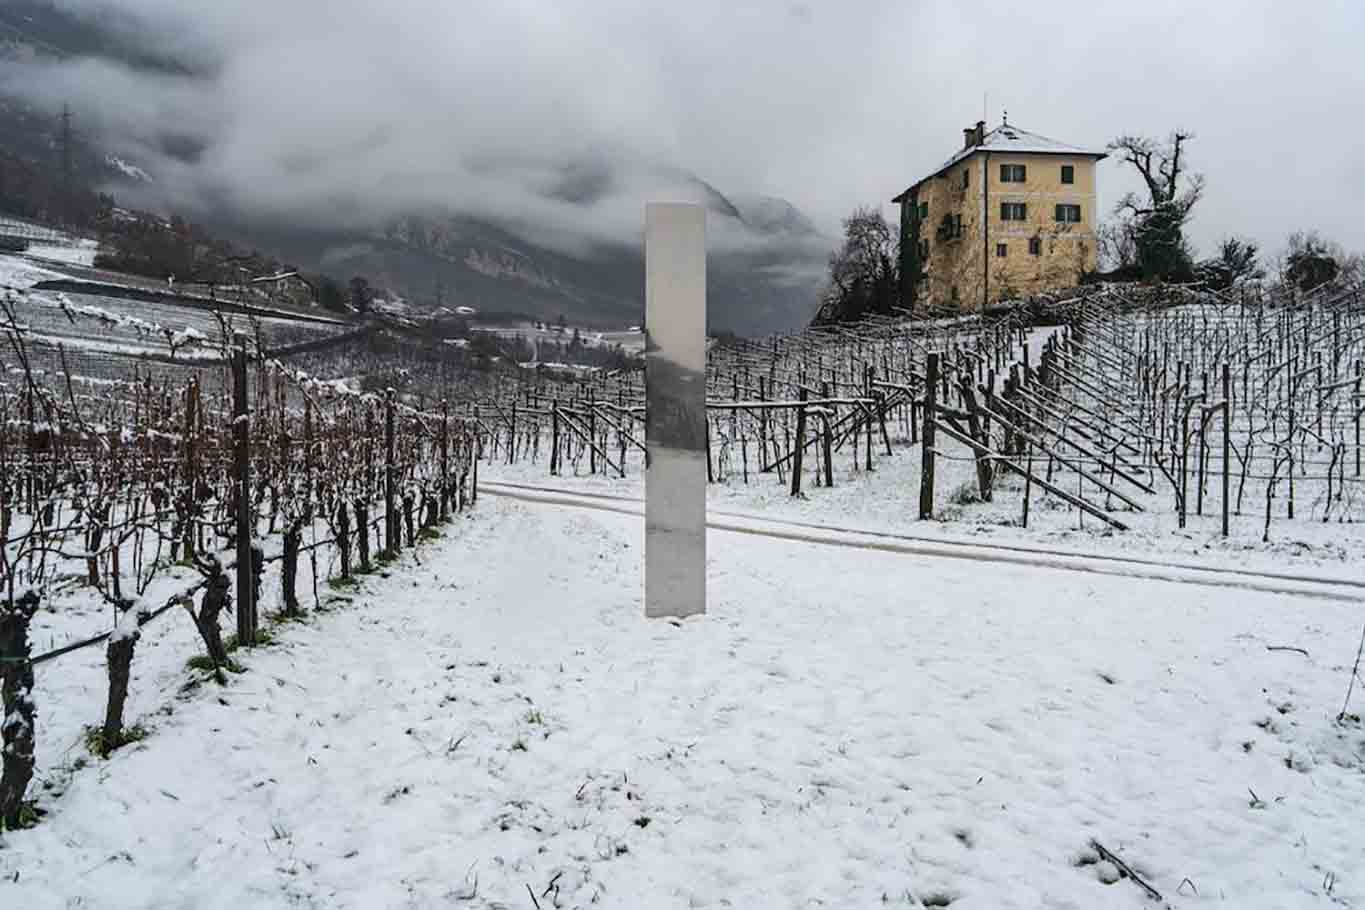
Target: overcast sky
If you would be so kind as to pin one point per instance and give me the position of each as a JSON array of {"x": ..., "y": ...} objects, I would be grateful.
[{"x": 356, "y": 106}]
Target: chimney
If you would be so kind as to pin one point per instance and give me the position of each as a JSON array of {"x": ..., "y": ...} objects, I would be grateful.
[{"x": 973, "y": 136}]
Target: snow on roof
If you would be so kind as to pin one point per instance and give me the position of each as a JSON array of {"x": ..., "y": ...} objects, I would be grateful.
[{"x": 1009, "y": 138}]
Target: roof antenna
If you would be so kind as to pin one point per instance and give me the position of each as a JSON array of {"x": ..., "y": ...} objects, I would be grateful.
[{"x": 1005, "y": 118}]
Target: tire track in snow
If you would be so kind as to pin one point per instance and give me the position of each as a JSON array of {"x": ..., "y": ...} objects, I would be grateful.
[
  {"x": 949, "y": 542},
  {"x": 908, "y": 545}
]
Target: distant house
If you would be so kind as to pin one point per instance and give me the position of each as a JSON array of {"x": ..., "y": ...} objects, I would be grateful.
[{"x": 1012, "y": 213}]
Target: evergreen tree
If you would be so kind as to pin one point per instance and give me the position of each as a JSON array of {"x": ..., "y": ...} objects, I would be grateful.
[
  {"x": 362, "y": 295},
  {"x": 1158, "y": 220}
]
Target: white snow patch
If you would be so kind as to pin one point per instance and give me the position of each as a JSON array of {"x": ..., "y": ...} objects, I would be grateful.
[
  {"x": 129, "y": 170},
  {"x": 843, "y": 728},
  {"x": 82, "y": 254},
  {"x": 19, "y": 273}
]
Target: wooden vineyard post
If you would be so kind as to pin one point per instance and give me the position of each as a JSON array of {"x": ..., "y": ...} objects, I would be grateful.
[
  {"x": 710, "y": 466},
  {"x": 554, "y": 438},
  {"x": 763, "y": 427},
  {"x": 1203, "y": 447},
  {"x": 620, "y": 429},
  {"x": 867, "y": 386},
  {"x": 31, "y": 442},
  {"x": 391, "y": 541},
  {"x": 881, "y": 419},
  {"x": 828, "y": 439},
  {"x": 800, "y": 444},
  {"x": 825, "y": 437},
  {"x": 16, "y": 682},
  {"x": 1336, "y": 344},
  {"x": 310, "y": 493},
  {"x": 592, "y": 437},
  {"x": 974, "y": 425},
  {"x": 1184, "y": 462},
  {"x": 989, "y": 392},
  {"x": 734, "y": 420},
  {"x": 344, "y": 535},
  {"x": 1291, "y": 389},
  {"x": 926, "y": 480},
  {"x": 190, "y": 531},
  {"x": 1227, "y": 441},
  {"x": 477, "y": 446},
  {"x": 445, "y": 459},
  {"x": 1357, "y": 417},
  {"x": 289, "y": 567},
  {"x": 241, "y": 458}
]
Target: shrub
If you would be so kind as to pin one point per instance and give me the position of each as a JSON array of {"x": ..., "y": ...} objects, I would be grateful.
[{"x": 966, "y": 494}]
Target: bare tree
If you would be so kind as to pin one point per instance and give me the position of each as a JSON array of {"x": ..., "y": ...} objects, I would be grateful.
[
  {"x": 1158, "y": 220},
  {"x": 1117, "y": 246}
]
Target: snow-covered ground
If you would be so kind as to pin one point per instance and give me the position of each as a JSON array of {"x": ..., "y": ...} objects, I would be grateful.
[
  {"x": 631, "y": 340},
  {"x": 97, "y": 325},
  {"x": 494, "y": 724},
  {"x": 887, "y": 500},
  {"x": 17, "y": 272},
  {"x": 81, "y": 252}
]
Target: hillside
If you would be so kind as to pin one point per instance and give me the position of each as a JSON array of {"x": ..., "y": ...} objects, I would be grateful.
[
  {"x": 765, "y": 269},
  {"x": 479, "y": 263}
]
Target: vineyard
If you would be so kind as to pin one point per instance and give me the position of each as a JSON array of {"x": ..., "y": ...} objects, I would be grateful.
[
  {"x": 1123, "y": 407},
  {"x": 151, "y": 473},
  {"x": 179, "y": 482}
]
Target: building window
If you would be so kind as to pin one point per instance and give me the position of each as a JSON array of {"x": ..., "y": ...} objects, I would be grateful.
[
  {"x": 950, "y": 228},
  {"x": 1012, "y": 173},
  {"x": 1035, "y": 246},
  {"x": 966, "y": 173},
  {"x": 1068, "y": 173},
  {"x": 1016, "y": 211},
  {"x": 1068, "y": 214},
  {"x": 952, "y": 293},
  {"x": 1001, "y": 250},
  {"x": 924, "y": 210}
]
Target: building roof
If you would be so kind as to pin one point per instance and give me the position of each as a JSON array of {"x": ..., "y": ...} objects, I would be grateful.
[{"x": 1009, "y": 138}]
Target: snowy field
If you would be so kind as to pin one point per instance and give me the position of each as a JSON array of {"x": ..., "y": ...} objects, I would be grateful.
[
  {"x": 80, "y": 253},
  {"x": 493, "y": 724},
  {"x": 98, "y": 334},
  {"x": 18, "y": 272},
  {"x": 887, "y": 500},
  {"x": 631, "y": 340}
]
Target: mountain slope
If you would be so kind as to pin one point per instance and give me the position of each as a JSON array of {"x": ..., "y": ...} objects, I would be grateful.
[
  {"x": 763, "y": 270},
  {"x": 772, "y": 216},
  {"x": 474, "y": 262}
]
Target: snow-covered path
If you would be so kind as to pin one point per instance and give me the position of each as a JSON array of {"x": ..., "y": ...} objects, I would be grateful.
[
  {"x": 844, "y": 727},
  {"x": 1299, "y": 584}
]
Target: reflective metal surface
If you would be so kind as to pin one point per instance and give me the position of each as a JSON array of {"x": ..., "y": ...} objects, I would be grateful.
[{"x": 675, "y": 391}]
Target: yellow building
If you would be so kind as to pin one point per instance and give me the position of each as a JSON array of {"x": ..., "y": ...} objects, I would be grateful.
[{"x": 1011, "y": 214}]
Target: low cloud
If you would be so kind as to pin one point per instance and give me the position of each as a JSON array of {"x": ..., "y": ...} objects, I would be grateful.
[{"x": 561, "y": 117}]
